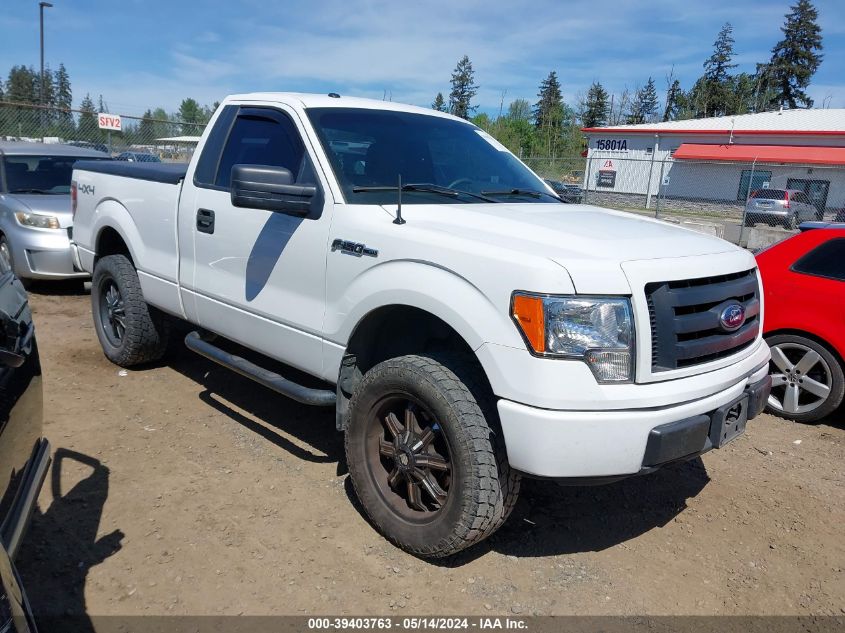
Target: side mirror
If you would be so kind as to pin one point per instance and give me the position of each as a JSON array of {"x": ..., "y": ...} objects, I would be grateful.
[{"x": 270, "y": 188}]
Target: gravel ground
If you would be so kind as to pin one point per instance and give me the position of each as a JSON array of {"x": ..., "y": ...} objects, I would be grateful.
[{"x": 185, "y": 489}]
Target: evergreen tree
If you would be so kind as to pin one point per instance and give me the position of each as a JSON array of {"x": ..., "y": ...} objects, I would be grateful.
[
  {"x": 795, "y": 58},
  {"x": 102, "y": 106},
  {"x": 674, "y": 97},
  {"x": 464, "y": 89},
  {"x": 190, "y": 112},
  {"x": 63, "y": 101},
  {"x": 87, "y": 128},
  {"x": 597, "y": 106},
  {"x": 548, "y": 113},
  {"x": 716, "y": 84},
  {"x": 146, "y": 131},
  {"x": 21, "y": 85},
  {"x": 439, "y": 103},
  {"x": 644, "y": 105}
]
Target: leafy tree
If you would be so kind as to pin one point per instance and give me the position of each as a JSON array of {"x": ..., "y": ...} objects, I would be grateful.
[
  {"x": 463, "y": 90},
  {"x": 87, "y": 127},
  {"x": 482, "y": 120},
  {"x": 439, "y": 103},
  {"x": 597, "y": 106},
  {"x": 796, "y": 57},
  {"x": 620, "y": 108},
  {"x": 644, "y": 105},
  {"x": 519, "y": 110}
]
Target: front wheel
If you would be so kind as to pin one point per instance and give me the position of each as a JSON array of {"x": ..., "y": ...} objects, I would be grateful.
[
  {"x": 425, "y": 456},
  {"x": 807, "y": 380},
  {"x": 130, "y": 331}
]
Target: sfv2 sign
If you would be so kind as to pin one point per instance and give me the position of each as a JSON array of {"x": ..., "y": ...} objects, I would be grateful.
[{"x": 109, "y": 122}]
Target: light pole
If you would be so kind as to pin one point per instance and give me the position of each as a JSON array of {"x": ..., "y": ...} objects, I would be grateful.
[{"x": 41, "y": 6}]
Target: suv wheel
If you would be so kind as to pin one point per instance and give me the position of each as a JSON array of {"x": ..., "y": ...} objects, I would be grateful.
[
  {"x": 807, "y": 380},
  {"x": 130, "y": 331},
  {"x": 425, "y": 456}
]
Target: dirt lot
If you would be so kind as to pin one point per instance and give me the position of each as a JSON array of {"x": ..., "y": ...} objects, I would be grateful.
[{"x": 185, "y": 489}]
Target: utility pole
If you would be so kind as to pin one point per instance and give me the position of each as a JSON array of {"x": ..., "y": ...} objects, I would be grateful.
[{"x": 41, "y": 6}]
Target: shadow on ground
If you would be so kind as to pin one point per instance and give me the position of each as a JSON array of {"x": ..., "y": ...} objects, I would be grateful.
[
  {"x": 549, "y": 519},
  {"x": 230, "y": 393},
  {"x": 62, "y": 546}
]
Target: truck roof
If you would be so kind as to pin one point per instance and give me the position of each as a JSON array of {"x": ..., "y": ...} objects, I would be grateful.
[{"x": 309, "y": 100}]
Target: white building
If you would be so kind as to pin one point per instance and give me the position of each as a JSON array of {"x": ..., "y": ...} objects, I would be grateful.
[{"x": 723, "y": 159}]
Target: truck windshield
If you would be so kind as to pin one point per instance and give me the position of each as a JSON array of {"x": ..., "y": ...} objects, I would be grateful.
[
  {"x": 370, "y": 149},
  {"x": 40, "y": 174}
]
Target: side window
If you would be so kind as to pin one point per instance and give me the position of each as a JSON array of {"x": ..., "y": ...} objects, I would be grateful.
[
  {"x": 825, "y": 260},
  {"x": 209, "y": 158},
  {"x": 262, "y": 139}
]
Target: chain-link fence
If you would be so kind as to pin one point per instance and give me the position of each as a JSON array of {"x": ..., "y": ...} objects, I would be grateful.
[
  {"x": 139, "y": 138},
  {"x": 723, "y": 198}
]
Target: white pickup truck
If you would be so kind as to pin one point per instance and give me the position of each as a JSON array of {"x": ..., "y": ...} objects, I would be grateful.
[{"x": 467, "y": 325}]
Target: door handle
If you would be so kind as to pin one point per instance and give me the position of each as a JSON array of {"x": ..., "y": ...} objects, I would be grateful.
[{"x": 205, "y": 221}]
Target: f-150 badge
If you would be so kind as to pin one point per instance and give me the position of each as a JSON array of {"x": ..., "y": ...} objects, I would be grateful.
[{"x": 353, "y": 248}]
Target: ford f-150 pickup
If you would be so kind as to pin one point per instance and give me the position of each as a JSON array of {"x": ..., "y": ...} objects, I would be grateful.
[{"x": 467, "y": 326}]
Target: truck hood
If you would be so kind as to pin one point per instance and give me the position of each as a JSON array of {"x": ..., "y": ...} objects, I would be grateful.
[
  {"x": 56, "y": 205},
  {"x": 591, "y": 243}
]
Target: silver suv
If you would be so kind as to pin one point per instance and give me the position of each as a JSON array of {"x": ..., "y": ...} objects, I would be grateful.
[{"x": 781, "y": 207}]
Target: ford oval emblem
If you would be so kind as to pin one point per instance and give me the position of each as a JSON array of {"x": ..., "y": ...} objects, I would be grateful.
[{"x": 732, "y": 317}]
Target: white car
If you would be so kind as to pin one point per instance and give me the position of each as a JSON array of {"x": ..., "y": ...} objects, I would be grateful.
[{"x": 466, "y": 325}]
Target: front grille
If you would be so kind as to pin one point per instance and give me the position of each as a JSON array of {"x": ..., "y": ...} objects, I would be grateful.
[{"x": 684, "y": 317}]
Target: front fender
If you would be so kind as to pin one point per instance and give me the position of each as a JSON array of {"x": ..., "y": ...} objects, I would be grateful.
[{"x": 440, "y": 292}]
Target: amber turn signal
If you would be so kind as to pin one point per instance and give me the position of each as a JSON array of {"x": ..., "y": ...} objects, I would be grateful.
[{"x": 528, "y": 313}]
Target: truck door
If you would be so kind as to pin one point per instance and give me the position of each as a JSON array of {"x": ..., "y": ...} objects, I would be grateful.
[{"x": 255, "y": 276}]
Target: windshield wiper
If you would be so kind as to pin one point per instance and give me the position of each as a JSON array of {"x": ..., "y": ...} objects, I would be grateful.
[
  {"x": 426, "y": 187},
  {"x": 521, "y": 192}
]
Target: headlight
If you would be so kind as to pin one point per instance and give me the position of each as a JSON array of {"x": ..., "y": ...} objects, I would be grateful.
[
  {"x": 596, "y": 330},
  {"x": 37, "y": 221}
]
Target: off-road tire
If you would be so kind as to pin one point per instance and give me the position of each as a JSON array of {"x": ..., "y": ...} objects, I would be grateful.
[
  {"x": 484, "y": 488},
  {"x": 147, "y": 330}
]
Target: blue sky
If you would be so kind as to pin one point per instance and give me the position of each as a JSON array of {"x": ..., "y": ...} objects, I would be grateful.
[{"x": 148, "y": 53}]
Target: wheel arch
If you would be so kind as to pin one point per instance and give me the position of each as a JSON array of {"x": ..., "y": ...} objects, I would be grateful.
[
  {"x": 114, "y": 231},
  {"x": 809, "y": 335},
  {"x": 396, "y": 330}
]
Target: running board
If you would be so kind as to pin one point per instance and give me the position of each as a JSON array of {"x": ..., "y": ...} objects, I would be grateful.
[{"x": 271, "y": 380}]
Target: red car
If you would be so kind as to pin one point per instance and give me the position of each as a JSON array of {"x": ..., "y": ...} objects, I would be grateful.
[{"x": 804, "y": 290}]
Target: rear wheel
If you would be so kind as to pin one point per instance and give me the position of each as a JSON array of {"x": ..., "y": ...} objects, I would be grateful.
[
  {"x": 427, "y": 464},
  {"x": 130, "y": 331},
  {"x": 807, "y": 380}
]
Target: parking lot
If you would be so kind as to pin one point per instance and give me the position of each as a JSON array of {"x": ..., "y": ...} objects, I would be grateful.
[{"x": 186, "y": 489}]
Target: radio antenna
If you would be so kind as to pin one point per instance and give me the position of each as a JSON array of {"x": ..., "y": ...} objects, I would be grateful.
[{"x": 399, "y": 219}]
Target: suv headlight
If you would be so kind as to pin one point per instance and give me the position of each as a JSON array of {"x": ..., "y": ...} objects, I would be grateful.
[
  {"x": 596, "y": 330},
  {"x": 37, "y": 221}
]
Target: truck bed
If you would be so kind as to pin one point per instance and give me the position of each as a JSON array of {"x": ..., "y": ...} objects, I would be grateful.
[{"x": 169, "y": 173}]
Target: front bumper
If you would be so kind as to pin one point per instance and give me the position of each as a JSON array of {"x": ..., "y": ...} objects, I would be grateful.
[
  {"x": 42, "y": 253},
  {"x": 618, "y": 443}
]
